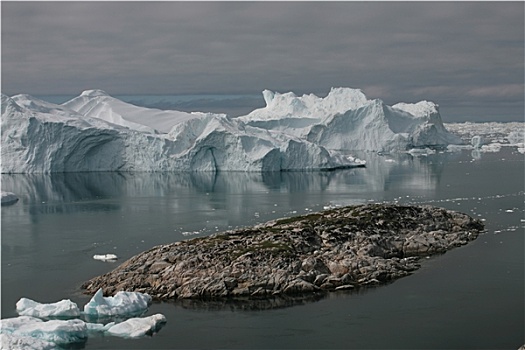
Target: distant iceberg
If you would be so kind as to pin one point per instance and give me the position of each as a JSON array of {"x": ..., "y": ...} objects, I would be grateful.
[
  {"x": 97, "y": 132},
  {"x": 54, "y": 331}
]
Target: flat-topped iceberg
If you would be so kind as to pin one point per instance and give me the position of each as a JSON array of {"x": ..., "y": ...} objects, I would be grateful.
[
  {"x": 97, "y": 132},
  {"x": 63, "y": 308},
  {"x": 138, "y": 326}
]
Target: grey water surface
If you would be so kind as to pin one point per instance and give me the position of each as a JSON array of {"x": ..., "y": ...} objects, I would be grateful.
[{"x": 472, "y": 297}]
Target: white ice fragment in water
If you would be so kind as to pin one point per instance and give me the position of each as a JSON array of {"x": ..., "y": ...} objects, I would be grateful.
[
  {"x": 123, "y": 303},
  {"x": 509, "y": 211},
  {"x": 478, "y": 141},
  {"x": 56, "y": 331},
  {"x": 105, "y": 257},
  {"x": 63, "y": 308},
  {"x": 138, "y": 326}
]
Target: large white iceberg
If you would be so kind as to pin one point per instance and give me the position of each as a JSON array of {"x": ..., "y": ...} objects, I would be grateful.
[
  {"x": 97, "y": 132},
  {"x": 138, "y": 326},
  {"x": 346, "y": 120},
  {"x": 489, "y": 136},
  {"x": 122, "y": 304},
  {"x": 63, "y": 308}
]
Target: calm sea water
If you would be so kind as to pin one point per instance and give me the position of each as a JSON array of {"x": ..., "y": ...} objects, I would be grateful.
[{"x": 470, "y": 297}]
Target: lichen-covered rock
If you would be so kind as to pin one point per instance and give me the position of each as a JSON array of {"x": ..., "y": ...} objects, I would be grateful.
[{"x": 337, "y": 249}]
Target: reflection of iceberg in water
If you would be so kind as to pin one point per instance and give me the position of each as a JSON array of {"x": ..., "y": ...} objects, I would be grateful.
[{"x": 231, "y": 190}]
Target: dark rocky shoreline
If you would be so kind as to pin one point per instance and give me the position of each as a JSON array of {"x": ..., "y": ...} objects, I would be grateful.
[{"x": 310, "y": 255}]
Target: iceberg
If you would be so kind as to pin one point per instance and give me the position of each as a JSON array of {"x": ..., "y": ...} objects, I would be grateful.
[
  {"x": 63, "y": 308},
  {"x": 489, "y": 136},
  {"x": 8, "y": 198},
  {"x": 96, "y": 132},
  {"x": 122, "y": 304},
  {"x": 138, "y": 326},
  {"x": 346, "y": 120},
  {"x": 54, "y": 331},
  {"x": 105, "y": 257}
]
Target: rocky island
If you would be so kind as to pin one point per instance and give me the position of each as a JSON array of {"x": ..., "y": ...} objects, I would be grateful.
[{"x": 336, "y": 249}]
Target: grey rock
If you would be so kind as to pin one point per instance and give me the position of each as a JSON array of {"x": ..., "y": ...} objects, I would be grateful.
[{"x": 337, "y": 249}]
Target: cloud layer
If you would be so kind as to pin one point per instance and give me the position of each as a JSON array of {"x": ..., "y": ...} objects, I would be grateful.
[{"x": 466, "y": 56}]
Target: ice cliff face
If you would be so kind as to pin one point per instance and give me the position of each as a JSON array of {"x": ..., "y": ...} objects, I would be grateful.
[
  {"x": 346, "y": 120},
  {"x": 96, "y": 132}
]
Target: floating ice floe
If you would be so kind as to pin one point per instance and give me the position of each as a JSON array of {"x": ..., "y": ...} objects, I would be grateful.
[
  {"x": 138, "y": 326},
  {"x": 54, "y": 331},
  {"x": 105, "y": 257},
  {"x": 63, "y": 308},
  {"x": 8, "y": 198},
  {"x": 488, "y": 137},
  {"x": 30, "y": 332},
  {"x": 123, "y": 303}
]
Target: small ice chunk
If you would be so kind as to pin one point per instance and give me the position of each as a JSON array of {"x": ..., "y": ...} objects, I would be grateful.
[
  {"x": 8, "y": 198},
  {"x": 105, "y": 257},
  {"x": 62, "y": 308},
  {"x": 477, "y": 141},
  {"x": 9, "y": 341},
  {"x": 123, "y": 303},
  {"x": 421, "y": 151},
  {"x": 138, "y": 327},
  {"x": 55, "y": 331}
]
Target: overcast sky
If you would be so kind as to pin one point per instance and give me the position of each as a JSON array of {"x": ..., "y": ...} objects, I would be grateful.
[{"x": 466, "y": 56}]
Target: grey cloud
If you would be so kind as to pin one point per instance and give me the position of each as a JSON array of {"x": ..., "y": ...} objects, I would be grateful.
[{"x": 397, "y": 51}]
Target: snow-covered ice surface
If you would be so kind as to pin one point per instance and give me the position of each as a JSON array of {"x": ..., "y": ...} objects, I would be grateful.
[
  {"x": 97, "y": 132},
  {"x": 123, "y": 303},
  {"x": 63, "y": 308},
  {"x": 8, "y": 198}
]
